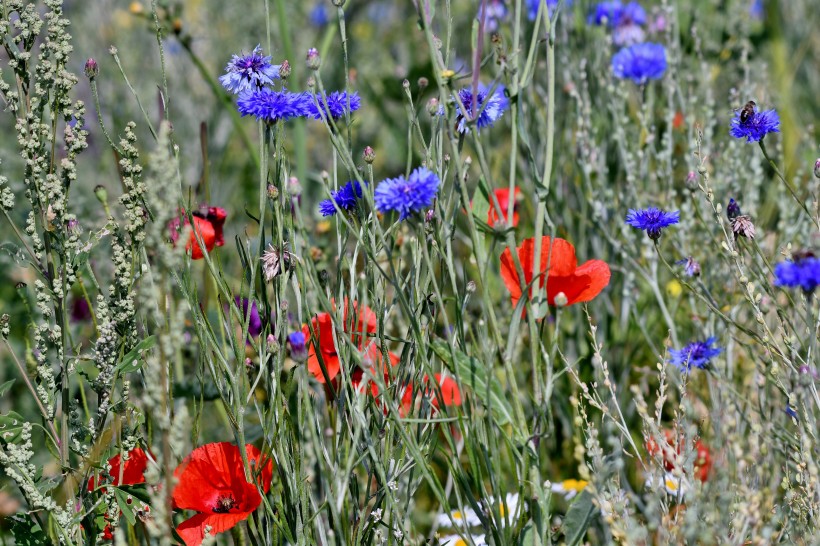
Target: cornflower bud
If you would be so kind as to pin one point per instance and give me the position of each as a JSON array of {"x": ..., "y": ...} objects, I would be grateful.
[
  {"x": 313, "y": 60},
  {"x": 284, "y": 70},
  {"x": 369, "y": 155},
  {"x": 92, "y": 69}
]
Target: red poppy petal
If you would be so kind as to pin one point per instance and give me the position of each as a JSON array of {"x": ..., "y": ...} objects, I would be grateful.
[
  {"x": 562, "y": 259},
  {"x": 599, "y": 275},
  {"x": 572, "y": 287},
  {"x": 510, "y": 276},
  {"x": 206, "y": 232},
  {"x": 134, "y": 468},
  {"x": 192, "y": 530}
]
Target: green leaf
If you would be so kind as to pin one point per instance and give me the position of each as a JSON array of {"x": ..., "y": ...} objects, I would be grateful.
[
  {"x": 6, "y": 386},
  {"x": 11, "y": 424},
  {"x": 578, "y": 519},
  {"x": 132, "y": 361},
  {"x": 125, "y": 506},
  {"x": 27, "y": 532},
  {"x": 473, "y": 373}
]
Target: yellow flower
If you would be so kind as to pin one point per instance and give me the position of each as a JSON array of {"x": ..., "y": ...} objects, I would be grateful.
[
  {"x": 447, "y": 74},
  {"x": 674, "y": 288},
  {"x": 135, "y": 8},
  {"x": 574, "y": 485}
]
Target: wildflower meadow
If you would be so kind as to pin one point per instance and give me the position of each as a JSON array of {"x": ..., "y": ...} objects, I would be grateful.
[{"x": 409, "y": 272}]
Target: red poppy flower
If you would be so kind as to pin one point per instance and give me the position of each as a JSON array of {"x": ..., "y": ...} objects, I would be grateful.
[
  {"x": 130, "y": 473},
  {"x": 703, "y": 458},
  {"x": 323, "y": 326},
  {"x": 503, "y": 196},
  {"x": 677, "y": 121},
  {"x": 207, "y": 226},
  {"x": 211, "y": 481},
  {"x": 373, "y": 360},
  {"x": 450, "y": 393},
  {"x": 579, "y": 284}
]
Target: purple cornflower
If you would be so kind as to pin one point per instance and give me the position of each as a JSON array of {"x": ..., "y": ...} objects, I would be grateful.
[
  {"x": 652, "y": 220},
  {"x": 496, "y": 12},
  {"x": 804, "y": 272},
  {"x": 337, "y": 105},
  {"x": 248, "y": 72},
  {"x": 756, "y": 126},
  {"x": 631, "y": 14},
  {"x": 532, "y": 7},
  {"x": 690, "y": 266},
  {"x": 255, "y": 321},
  {"x": 345, "y": 198},
  {"x": 407, "y": 195},
  {"x": 605, "y": 13},
  {"x": 640, "y": 62},
  {"x": 318, "y": 15},
  {"x": 298, "y": 348},
  {"x": 487, "y": 115},
  {"x": 272, "y": 106},
  {"x": 696, "y": 354}
]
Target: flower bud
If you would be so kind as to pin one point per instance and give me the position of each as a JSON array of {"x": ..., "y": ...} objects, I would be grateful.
[
  {"x": 92, "y": 69},
  {"x": 338, "y": 3},
  {"x": 284, "y": 70},
  {"x": 561, "y": 299},
  {"x": 273, "y": 192},
  {"x": 817, "y": 168},
  {"x": 294, "y": 187},
  {"x": 471, "y": 287},
  {"x": 4, "y": 325},
  {"x": 313, "y": 60},
  {"x": 298, "y": 347},
  {"x": 405, "y": 83},
  {"x": 692, "y": 181},
  {"x": 369, "y": 155},
  {"x": 733, "y": 209},
  {"x": 423, "y": 83},
  {"x": 433, "y": 107},
  {"x": 270, "y": 339},
  {"x": 101, "y": 193}
]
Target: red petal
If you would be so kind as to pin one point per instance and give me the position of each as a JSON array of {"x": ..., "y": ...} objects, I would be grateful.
[
  {"x": 206, "y": 231},
  {"x": 450, "y": 393},
  {"x": 192, "y": 530},
  {"x": 216, "y": 216},
  {"x": 323, "y": 326},
  {"x": 599, "y": 275}
]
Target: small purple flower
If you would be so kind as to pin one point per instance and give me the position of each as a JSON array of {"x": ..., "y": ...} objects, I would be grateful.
[
  {"x": 756, "y": 126},
  {"x": 345, "y": 198},
  {"x": 272, "y": 106},
  {"x": 248, "y": 72},
  {"x": 80, "y": 310},
  {"x": 495, "y": 106},
  {"x": 690, "y": 266},
  {"x": 255, "y": 321},
  {"x": 640, "y": 62},
  {"x": 496, "y": 12},
  {"x": 298, "y": 346},
  {"x": 652, "y": 220},
  {"x": 407, "y": 195},
  {"x": 338, "y": 104},
  {"x": 803, "y": 273},
  {"x": 697, "y": 354},
  {"x": 627, "y": 35}
]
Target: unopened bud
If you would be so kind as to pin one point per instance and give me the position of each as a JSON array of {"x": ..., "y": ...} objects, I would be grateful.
[
  {"x": 369, "y": 155},
  {"x": 294, "y": 187},
  {"x": 733, "y": 209},
  {"x": 423, "y": 83},
  {"x": 4, "y": 325},
  {"x": 817, "y": 168},
  {"x": 298, "y": 346},
  {"x": 101, "y": 193},
  {"x": 561, "y": 299},
  {"x": 471, "y": 286},
  {"x": 433, "y": 107},
  {"x": 92, "y": 69},
  {"x": 405, "y": 83},
  {"x": 313, "y": 60},
  {"x": 270, "y": 339},
  {"x": 692, "y": 180},
  {"x": 338, "y": 3},
  {"x": 273, "y": 192},
  {"x": 284, "y": 70}
]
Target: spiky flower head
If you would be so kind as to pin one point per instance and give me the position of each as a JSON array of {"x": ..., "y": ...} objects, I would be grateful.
[
  {"x": 338, "y": 103},
  {"x": 249, "y": 72},
  {"x": 488, "y": 107},
  {"x": 652, "y": 220},
  {"x": 690, "y": 266},
  {"x": 757, "y": 125},
  {"x": 742, "y": 226},
  {"x": 803, "y": 272},
  {"x": 345, "y": 198},
  {"x": 407, "y": 195},
  {"x": 640, "y": 62},
  {"x": 272, "y": 106},
  {"x": 697, "y": 354}
]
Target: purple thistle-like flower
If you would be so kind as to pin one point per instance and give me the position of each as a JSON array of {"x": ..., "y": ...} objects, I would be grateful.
[
  {"x": 496, "y": 104},
  {"x": 532, "y": 7},
  {"x": 407, "y": 195},
  {"x": 652, "y": 220},
  {"x": 272, "y": 106},
  {"x": 640, "y": 62},
  {"x": 690, "y": 266},
  {"x": 337, "y": 105},
  {"x": 757, "y": 126},
  {"x": 248, "y": 72},
  {"x": 803, "y": 273},
  {"x": 345, "y": 198},
  {"x": 697, "y": 354},
  {"x": 255, "y": 321}
]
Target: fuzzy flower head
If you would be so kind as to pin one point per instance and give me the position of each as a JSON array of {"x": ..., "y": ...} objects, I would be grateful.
[
  {"x": 345, "y": 198},
  {"x": 488, "y": 108},
  {"x": 652, "y": 220},
  {"x": 248, "y": 72},
  {"x": 272, "y": 106},
  {"x": 532, "y": 7},
  {"x": 691, "y": 267},
  {"x": 697, "y": 354},
  {"x": 640, "y": 62},
  {"x": 803, "y": 272},
  {"x": 755, "y": 126},
  {"x": 339, "y": 103},
  {"x": 407, "y": 195}
]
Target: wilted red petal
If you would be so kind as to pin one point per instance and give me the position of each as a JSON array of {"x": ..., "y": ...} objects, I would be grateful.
[{"x": 192, "y": 530}]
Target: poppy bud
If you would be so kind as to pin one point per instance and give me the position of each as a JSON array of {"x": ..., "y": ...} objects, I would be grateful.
[
  {"x": 92, "y": 69},
  {"x": 313, "y": 60},
  {"x": 369, "y": 155}
]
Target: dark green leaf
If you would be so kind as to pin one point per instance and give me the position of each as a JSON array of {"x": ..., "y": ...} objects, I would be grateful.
[
  {"x": 132, "y": 361},
  {"x": 27, "y": 532},
  {"x": 11, "y": 424},
  {"x": 578, "y": 519},
  {"x": 6, "y": 386}
]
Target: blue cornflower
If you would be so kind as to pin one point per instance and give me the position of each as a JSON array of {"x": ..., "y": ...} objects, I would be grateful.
[
  {"x": 248, "y": 72},
  {"x": 756, "y": 126},
  {"x": 271, "y": 106},
  {"x": 407, "y": 195},
  {"x": 336, "y": 105},
  {"x": 345, "y": 198},
  {"x": 640, "y": 62},
  {"x": 318, "y": 15},
  {"x": 791, "y": 413},
  {"x": 652, "y": 220},
  {"x": 496, "y": 12},
  {"x": 756, "y": 10},
  {"x": 804, "y": 273},
  {"x": 605, "y": 13},
  {"x": 532, "y": 7},
  {"x": 696, "y": 354},
  {"x": 298, "y": 347},
  {"x": 631, "y": 14},
  {"x": 690, "y": 266},
  {"x": 489, "y": 114}
]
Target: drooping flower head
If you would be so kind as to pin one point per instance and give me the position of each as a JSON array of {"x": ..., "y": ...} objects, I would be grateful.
[
  {"x": 697, "y": 354},
  {"x": 248, "y": 72},
  {"x": 652, "y": 220},
  {"x": 532, "y": 7},
  {"x": 272, "y": 106},
  {"x": 337, "y": 105},
  {"x": 322, "y": 344},
  {"x": 206, "y": 226},
  {"x": 345, "y": 198},
  {"x": 756, "y": 126},
  {"x": 578, "y": 284},
  {"x": 640, "y": 62},
  {"x": 407, "y": 195},
  {"x": 488, "y": 108},
  {"x": 803, "y": 272},
  {"x": 211, "y": 481}
]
